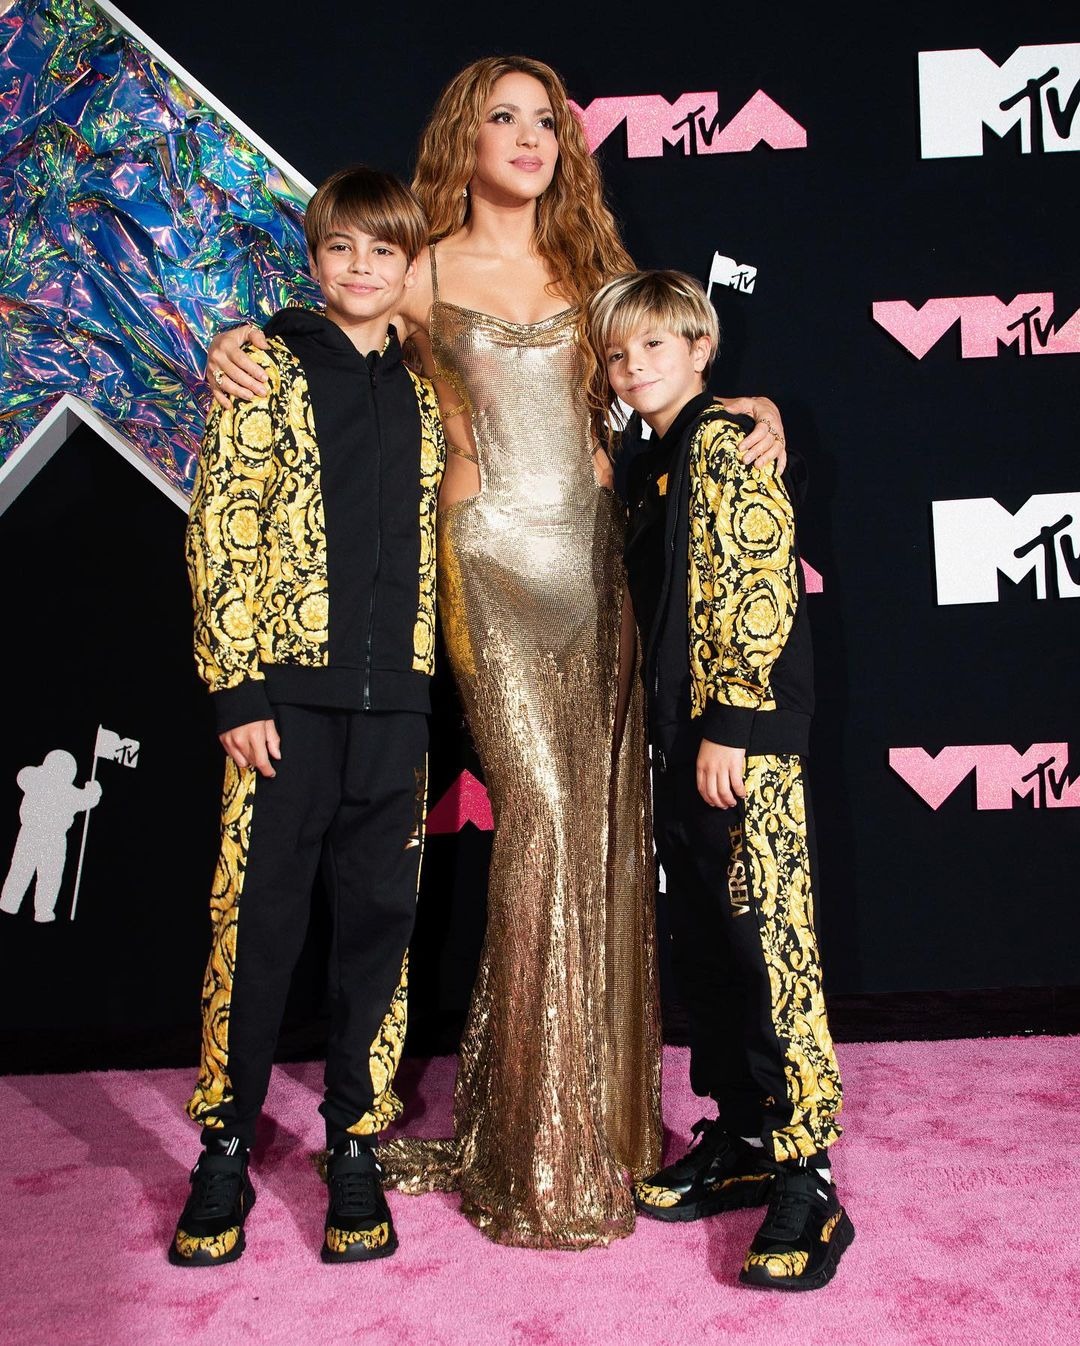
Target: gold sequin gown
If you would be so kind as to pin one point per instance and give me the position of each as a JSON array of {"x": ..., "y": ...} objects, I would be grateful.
[{"x": 557, "y": 1101}]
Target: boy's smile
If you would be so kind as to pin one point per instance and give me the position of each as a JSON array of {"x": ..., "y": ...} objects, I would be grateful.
[
  {"x": 656, "y": 373},
  {"x": 362, "y": 280}
]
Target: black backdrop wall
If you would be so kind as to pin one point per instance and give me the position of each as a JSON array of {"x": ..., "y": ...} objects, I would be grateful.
[{"x": 946, "y": 761}]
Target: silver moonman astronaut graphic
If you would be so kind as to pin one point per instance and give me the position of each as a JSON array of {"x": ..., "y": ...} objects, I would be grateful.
[{"x": 51, "y": 799}]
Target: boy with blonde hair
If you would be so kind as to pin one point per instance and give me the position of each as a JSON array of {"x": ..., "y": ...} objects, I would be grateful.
[{"x": 714, "y": 576}]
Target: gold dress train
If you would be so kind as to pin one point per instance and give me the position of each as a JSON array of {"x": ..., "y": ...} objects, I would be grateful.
[{"x": 557, "y": 1100}]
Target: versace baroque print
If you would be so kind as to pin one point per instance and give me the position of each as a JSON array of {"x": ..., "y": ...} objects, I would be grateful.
[
  {"x": 256, "y": 516},
  {"x": 779, "y": 862},
  {"x": 217, "y": 1247},
  {"x": 384, "y": 1058},
  {"x": 743, "y": 582},
  {"x": 432, "y": 462},
  {"x": 341, "y": 1240},
  {"x": 212, "y": 1088}
]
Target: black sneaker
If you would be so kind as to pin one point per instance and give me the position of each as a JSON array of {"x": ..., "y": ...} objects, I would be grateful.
[
  {"x": 358, "y": 1223},
  {"x": 211, "y": 1227},
  {"x": 802, "y": 1236},
  {"x": 720, "y": 1172}
]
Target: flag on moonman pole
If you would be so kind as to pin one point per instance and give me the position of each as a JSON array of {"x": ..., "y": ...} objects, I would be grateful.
[
  {"x": 116, "y": 749},
  {"x": 112, "y": 748}
]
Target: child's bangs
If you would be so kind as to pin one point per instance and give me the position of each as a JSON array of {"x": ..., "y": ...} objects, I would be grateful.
[
  {"x": 622, "y": 320},
  {"x": 381, "y": 220},
  {"x": 644, "y": 313}
]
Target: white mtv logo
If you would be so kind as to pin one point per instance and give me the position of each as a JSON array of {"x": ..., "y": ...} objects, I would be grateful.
[
  {"x": 974, "y": 540},
  {"x": 736, "y": 275},
  {"x": 960, "y": 92}
]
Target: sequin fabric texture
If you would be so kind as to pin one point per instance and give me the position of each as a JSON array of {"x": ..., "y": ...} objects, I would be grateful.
[
  {"x": 557, "y": 1099},
  {"x": 134, "y": 223}
]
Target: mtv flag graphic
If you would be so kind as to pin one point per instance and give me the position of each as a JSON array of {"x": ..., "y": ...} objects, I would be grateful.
[
  {"x": 963, "y": 91},
  {"x": 735, "y": 275},
  {"x": 116, "y": 749},
  {"x": 108, "y": 747},
  {"x": 976, "y": 541}
]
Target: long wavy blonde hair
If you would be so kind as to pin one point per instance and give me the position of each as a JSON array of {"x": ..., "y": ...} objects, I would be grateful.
[{"x": 576, "y": 233}]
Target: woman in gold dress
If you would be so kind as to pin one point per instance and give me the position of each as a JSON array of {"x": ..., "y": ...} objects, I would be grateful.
[
  {"x": 557, "y": 1101},
  {"x": 557, "y": 1096}
]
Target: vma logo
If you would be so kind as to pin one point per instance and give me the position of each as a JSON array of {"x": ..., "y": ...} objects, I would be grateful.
[
  {"x": 987, "y": 325},
  {"x": 975, "y": 541},
  {"x": 961, "y": 92},
  {"x": 1002, "y": 775},
  {"x": 692, "y": 122}
]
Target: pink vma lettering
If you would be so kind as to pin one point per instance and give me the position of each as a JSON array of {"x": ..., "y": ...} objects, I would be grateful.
[
  {"x": 1002, "y": 774},
  {"x": 987, "y": 325},
  {"x": 466, "y": 801},
  {"x": 692, "y": 122}
]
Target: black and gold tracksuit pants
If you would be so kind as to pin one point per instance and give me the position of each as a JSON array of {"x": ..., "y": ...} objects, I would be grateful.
[
  {"x": 745, "y": 955},
  {"x": 349, "y": 795}
]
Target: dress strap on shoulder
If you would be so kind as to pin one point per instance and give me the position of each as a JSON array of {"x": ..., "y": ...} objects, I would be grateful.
[{"x": 434, "y": 273}]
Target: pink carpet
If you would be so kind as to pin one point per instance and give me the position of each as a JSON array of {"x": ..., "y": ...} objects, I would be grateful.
[{"x": 959, "y": 1169}]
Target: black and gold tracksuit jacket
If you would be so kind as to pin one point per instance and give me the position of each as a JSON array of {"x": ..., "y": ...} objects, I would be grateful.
[
  {"x": 715, "y": 579},
  {"x": 311, "y": 537}
]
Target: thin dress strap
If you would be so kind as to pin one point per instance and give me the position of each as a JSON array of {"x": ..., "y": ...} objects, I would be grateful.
[{"x": 434, "y": 274}]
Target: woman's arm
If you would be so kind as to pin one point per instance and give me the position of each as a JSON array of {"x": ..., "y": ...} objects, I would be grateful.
[{"x": 230, "y": 373}]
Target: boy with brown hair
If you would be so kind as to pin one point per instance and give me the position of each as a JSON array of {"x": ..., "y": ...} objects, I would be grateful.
[{"x": 311, "y": 554}]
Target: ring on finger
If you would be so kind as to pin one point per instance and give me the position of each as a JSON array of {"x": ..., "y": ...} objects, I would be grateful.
[{"x": 219, "y": 374}]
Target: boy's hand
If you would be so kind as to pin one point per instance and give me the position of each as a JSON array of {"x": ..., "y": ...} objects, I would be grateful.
[
  {"x": 765, "y": 443},
  {"x": 231, "y": 373},
  {"x": 253, "y": 745},
  {"x": 720, "y": 774}
]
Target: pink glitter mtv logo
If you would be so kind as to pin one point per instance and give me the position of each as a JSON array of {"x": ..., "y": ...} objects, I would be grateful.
[
  {"x": 1002, "y": 774},
  {"x": 987, "y": 325},
  {"x": 692, "y": 122}
]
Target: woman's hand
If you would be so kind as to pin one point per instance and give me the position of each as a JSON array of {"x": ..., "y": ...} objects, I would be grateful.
[
  {"x": 766, "y": 442},
  {"x": 229, "y": 372}
]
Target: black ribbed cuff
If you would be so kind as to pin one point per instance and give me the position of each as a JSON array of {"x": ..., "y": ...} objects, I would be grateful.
[
  {"x": 241, "y": 705},
  {"x": 730, "y": 726}
]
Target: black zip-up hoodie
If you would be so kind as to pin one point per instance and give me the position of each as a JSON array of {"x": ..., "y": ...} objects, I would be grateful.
[
  {"x": 679, "y": 667},
  {"x": 342, "y": 472}
]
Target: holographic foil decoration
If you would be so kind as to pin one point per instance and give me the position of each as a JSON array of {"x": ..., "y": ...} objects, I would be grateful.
[{"x": 134, "y": 224}]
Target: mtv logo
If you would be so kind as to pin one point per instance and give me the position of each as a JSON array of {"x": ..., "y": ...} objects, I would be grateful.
[
  {"x": 693, "y": 123},
  {"x": 988, "y": 325},
  {"x": 735, "y": 275},
  {"x": 1002, "y": 774},
  {"x": 976, "y": 540},
  {"x": 1037, "y": 88}
]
